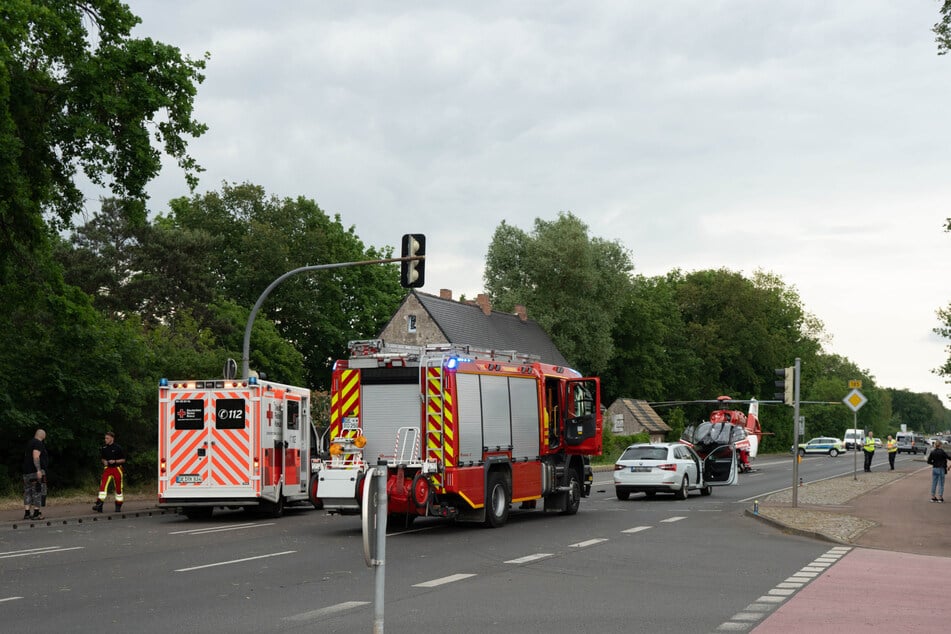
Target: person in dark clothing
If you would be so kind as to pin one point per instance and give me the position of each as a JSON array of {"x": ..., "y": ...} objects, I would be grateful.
[
  {"x": 938, "y": 460},
  {"x": 113, "y": 457},
  {"x": 35, "y": 462}
]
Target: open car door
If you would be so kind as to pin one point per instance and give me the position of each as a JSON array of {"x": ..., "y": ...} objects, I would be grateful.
[{"x": 720, "y": 467}]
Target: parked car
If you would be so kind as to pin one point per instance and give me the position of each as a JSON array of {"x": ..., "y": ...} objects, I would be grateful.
[
  {"x": 823, "y": 444},
  {"x": 670, "y": 467}
]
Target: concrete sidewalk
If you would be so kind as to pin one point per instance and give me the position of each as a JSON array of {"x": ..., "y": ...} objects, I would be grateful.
[
  {"x": 79, "y": 512},
  {"x": 904, "y": 554}
]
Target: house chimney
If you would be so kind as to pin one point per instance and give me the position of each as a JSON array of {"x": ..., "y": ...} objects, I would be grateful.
[
  {"x": 483, "y": 301},
  {"x": 445, "y": 293},
  {"x": 521, "y": 312}
]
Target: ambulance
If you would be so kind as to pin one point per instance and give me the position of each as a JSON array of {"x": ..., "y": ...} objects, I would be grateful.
[{"x": 233, "y": 443}]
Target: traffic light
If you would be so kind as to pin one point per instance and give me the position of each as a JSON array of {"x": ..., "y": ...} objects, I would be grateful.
[
  {"x": 413, "y": 272},
  {"x": 784, "y": 388}
]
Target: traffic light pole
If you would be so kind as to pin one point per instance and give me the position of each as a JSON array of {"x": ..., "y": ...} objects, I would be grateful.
[
  {"x": 246, "y": 350},
  {"x": 795, "y": 464}
]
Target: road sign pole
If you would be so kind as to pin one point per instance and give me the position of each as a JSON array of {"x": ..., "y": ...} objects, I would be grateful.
[
  {"x": 855, "y": 446},
  {"x": 380, "y": 562}
]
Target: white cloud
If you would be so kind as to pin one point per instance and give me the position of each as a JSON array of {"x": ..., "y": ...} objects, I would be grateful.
[{"x": 805, "y": 138}]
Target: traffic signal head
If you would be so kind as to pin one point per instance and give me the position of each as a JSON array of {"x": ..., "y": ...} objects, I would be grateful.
[
  {"x": 412, "y": 272},
  {"x": 784, "y": 388}
]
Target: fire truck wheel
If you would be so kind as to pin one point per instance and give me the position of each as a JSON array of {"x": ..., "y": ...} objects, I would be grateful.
[
  {"x": 573, "y": 500},
  {"x": 497, "y": 501}
]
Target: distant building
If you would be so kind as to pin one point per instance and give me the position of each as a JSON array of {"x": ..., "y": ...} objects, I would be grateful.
[
  {"x": 633, "y": 416},
  {"x": 426, "y": 319}
]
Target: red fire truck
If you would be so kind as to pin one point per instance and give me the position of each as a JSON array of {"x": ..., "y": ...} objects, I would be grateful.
[
  {"x": 233, "y": 443},
  {"x": 464, "y": 432}
]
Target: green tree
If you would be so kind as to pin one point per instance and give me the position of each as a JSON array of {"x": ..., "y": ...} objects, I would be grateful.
[
  {"x": 78, "y": 92},
  {"x": 259, "y": 238},
  {"x": 574, "y": 285},
  {"x": 942, "y": 29}
]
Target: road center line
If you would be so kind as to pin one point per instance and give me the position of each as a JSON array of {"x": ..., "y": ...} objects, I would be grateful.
[
  {"x": 590, "y": 542},
  {"x": 9, "y": 599},
  {"x": 442, "y": 581},
  {"x": 527, "y": 558},
  {"x": 674, "y": 519},
  {"x": 331, "y": 609},
  {"x": 218, "y": 529},
  {"x": 636, "y": 529},
  {"x": 39, "y": 551},
  {"x": 236, "y": 561}
]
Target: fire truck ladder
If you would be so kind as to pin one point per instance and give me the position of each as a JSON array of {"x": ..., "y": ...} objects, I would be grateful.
[
  {"x": 406, "y": 451},
  {"x": 434, "y": 402}
]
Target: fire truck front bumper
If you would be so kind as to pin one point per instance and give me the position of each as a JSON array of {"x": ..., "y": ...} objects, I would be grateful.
[{"x": 339, "y": 489}]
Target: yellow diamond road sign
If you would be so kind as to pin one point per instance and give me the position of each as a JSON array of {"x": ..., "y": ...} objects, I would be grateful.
[{"x": 855, "y": 400}]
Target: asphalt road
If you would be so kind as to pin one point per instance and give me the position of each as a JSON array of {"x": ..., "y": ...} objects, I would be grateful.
[{"x": 642, "y": 565}]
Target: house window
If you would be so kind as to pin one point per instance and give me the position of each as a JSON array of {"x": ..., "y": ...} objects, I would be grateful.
[{"x": 411, "y": 323}]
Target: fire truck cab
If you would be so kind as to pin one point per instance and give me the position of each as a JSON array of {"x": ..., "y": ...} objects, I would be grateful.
[
  {"x": 233, "y": 443},
  {"x": 464, "y": 432}
]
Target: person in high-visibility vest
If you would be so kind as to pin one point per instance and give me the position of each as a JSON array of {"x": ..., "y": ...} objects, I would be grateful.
[
  {"x": 891, "y": 445},
  {"x": 869, "y": 449}
]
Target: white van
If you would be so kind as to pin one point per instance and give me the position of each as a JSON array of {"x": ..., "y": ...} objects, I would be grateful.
[{"x": 854, "y": 438}]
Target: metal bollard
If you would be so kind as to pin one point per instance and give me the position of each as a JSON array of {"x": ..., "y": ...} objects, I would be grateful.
[{"x": 755, "y": 507}]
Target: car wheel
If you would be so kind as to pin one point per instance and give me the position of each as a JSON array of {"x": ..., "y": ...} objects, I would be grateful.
[
  {"x": 707, "y": 490},
  {"x": 623, "y": 495},
  {"x": 681, "y": 493},
  {"x": 833, "y": 452},
  {"x": 497, "y": 501},
  {"x": 802, "y": 452}
]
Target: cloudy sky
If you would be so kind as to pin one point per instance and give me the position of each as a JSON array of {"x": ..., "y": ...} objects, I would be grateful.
[{"x": 807, "y": 138}]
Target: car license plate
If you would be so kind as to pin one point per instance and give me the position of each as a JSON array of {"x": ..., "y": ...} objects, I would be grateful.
[
  {"x": 640, "y": 469},
  {"x": 188, "y": 478}
]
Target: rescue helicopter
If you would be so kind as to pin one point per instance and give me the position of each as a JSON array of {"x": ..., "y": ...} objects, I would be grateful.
[{"x": 724, "y": 427}]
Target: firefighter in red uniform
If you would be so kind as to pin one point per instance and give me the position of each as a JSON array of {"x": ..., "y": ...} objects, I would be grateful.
[{"x": 113, "y": 457}]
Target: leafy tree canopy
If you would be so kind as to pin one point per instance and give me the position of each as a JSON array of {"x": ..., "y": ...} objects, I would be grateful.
[
  {"x": 78, "y": 92},
  {"x": 570, "y": 282}
]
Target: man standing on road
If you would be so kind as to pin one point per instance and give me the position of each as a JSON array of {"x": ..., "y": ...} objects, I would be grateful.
[
  {"x": 35, "y": 461},
  {"x": 113, "y": 457},
  {"x": 892, "y": 446},
  {"x": 869, "y": 450}
]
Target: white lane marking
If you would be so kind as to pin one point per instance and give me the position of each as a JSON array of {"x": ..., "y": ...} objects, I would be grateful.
[
  {"x": 10, "y": 599},
  {"x": 673, "y": 519},
  {"x": 332, "y": 609},
  {"x": 236, "y": 561},
  {"x": 219, "y": 529},
  {"x": 28, "y": 550},
  {"x": 528, "y": 558},
  {"x": 590, "y": 542},
  {"x": 636, "y": 529},
  {"x": 39, "y": 551},
  {"x": 442, "y": 581}
]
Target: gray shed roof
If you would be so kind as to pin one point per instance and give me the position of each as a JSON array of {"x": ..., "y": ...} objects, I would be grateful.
[{"x": 466, "y": 324}]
